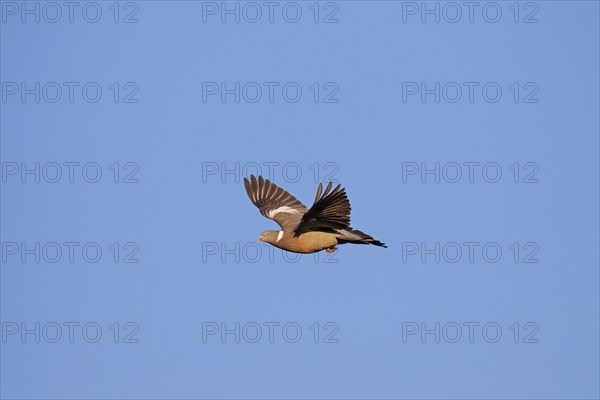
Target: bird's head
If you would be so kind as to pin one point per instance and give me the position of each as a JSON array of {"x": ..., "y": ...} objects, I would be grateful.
[{"x": 268, "y": 236}]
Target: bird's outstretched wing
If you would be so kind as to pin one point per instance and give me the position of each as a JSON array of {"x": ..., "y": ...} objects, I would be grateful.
[
  {"x": 331, "y": 210},
  {"x": 275, "y": 203}
]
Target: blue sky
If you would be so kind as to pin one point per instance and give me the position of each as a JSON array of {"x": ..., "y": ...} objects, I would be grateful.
[{"x": 469, "y": 144}]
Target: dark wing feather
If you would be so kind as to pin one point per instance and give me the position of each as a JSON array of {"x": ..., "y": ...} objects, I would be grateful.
[
  {"x": 331, "y": 210},
  {"x": 274, "y": 202}
]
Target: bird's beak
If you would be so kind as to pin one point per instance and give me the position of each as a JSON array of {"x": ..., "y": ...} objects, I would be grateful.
[{"x": 260, "y": 239}]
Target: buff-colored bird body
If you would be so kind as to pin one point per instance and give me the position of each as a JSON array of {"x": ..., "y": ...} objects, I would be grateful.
[{"x": 309, "y": 242}]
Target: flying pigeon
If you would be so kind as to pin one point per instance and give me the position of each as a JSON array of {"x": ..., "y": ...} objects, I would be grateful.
[{"x": 324, "y": 226}]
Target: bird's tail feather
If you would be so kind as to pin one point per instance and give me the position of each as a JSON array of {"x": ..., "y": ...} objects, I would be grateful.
[{"x": 355, "y": 236}]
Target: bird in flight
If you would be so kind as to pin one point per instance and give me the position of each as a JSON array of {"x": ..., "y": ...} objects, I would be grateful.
[{"x": 324, "y": 226}]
